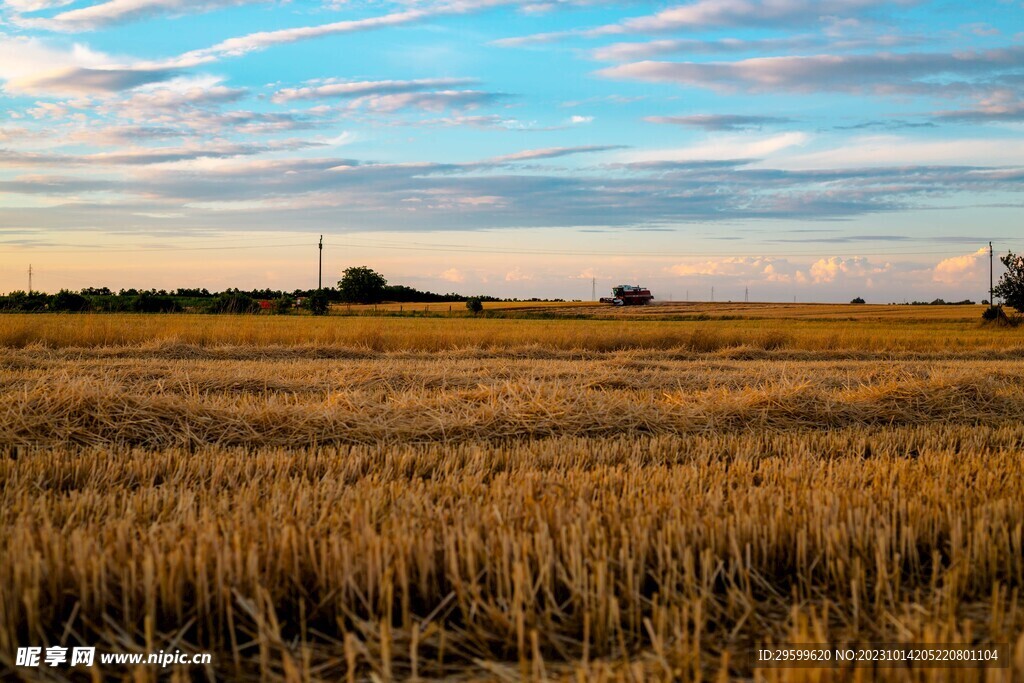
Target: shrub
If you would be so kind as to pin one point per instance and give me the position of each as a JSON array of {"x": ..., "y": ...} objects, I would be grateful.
[
  {"x": 283, "y": 305},
  {"x": 996, "y": 315},
  {"x": 474, "y": 305},
  {"x": 235, "y": 303},
  {"x": 858, "y": 300}
]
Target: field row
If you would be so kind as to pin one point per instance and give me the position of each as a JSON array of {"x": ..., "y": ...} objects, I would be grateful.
[
  {"x": 302, "y": 403},
  {"x": 365, "y": 335},
  {"x": 731, "y": 310},
  {"x": 666, "y": 556}
]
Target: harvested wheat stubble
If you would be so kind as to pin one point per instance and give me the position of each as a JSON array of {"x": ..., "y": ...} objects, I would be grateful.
[
  {"x": 572, "y": 555},
  {"x": 194, "y": 403},
  {"x": 906, "y": 331},
  {"x": 488, "y": 515}
]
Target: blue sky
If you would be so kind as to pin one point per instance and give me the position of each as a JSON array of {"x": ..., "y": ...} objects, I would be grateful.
[{"x": 817, "y": 149}]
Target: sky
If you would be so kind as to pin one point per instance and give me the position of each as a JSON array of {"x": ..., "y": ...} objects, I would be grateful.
[{"x": 815, "y": 150}]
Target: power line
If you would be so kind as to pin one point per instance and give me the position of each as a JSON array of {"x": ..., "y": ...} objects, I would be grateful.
[
  {"x": 369, "y": 243},
  {"x": 436, "y": 245},
  {"x": 121, "y": 250},
  {"x": 662, "y": 254},
  {"x": 361, "y": 242}
]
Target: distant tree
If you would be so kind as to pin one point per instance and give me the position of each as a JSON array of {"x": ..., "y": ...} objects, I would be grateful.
[
  {"x": 68, "y": 302},
  {"x": 27, "y": 303},
  {"x": 147, "y": 302},
  {"x": 1011, "y": 285},
  {"x": 361, "y": 285},
  {"x": 403, "y": 293},
  {"x": 474, "y": 305},
  {"x": 318, "y": 303},
  {"x": 96, "y": 291},
  {"x": 283, "y": 305},
  {"x": 264, "y": 293},
  {"x": 858, "y": 300},
  {"x": 192, "y": 292}
]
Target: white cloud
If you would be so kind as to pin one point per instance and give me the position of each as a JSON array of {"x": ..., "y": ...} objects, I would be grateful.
[
  {"x": 478, "y": 121},
  {"x": 31, "y": 66},
  {"x": 355, "y": 89},
  {"x": 962, "y": 269},
  {"x": 750, "y": 267},
  {"x": 836, "y": 268},
  {"x": 179, "y": 92},
  {"x": 709, "y": 13},
  {"x": 453, "y": 275},
  {"x": 552, "y": 152},
  {"x": 115, "y": 11},
  {"x": 437, "y": 101},
  {"x": 26, "y": 6},
  {"x": 718, "y": 122},
  {"x": 627, "y": 52},
  {"x": 24, "y": 57},
  {"x": 235, "y": 47},
  {"x": 724, "y": 147},
  {"x": 706, "y": 14},
  {"x": 586, "y": 274},
  {"x": 886, "y": 73},
  {"x": 892, "y": 150}
]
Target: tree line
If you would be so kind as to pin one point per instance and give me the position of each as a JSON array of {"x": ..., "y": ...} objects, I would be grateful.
[{"x": 358, "y": 285}]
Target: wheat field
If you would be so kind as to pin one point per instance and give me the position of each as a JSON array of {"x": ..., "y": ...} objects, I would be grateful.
[{"x": 398, "y": 499}]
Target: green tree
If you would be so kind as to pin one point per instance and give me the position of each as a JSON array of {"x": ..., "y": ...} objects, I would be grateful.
[
  {"x": 147, "y": 302},
  {"x": 1011, "y": 285},
  {"x": 857, "y": 300},
  {"x": 27, "y": 303},
  {"x": 318, "y": 303},
  {"x": 361, "y": 285},
  {"x": 474, "y": 305},
  {"x": 68, "y": 301}
]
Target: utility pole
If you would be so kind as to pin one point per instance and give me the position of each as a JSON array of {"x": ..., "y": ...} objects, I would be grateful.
[
  {"x": 746, "y": 295},
  {"x": 991, "y": 288},
  {"x": 687, "y": 295},
  {"x": 30, "y": 278},
  {"x": 593, "y": 289},
  {"x": 712, "y": 295},
  {"x": 320, "y": 276}
]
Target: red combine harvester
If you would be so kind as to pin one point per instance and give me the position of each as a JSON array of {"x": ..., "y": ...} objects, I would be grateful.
[{"x": 629, "y": 295}]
